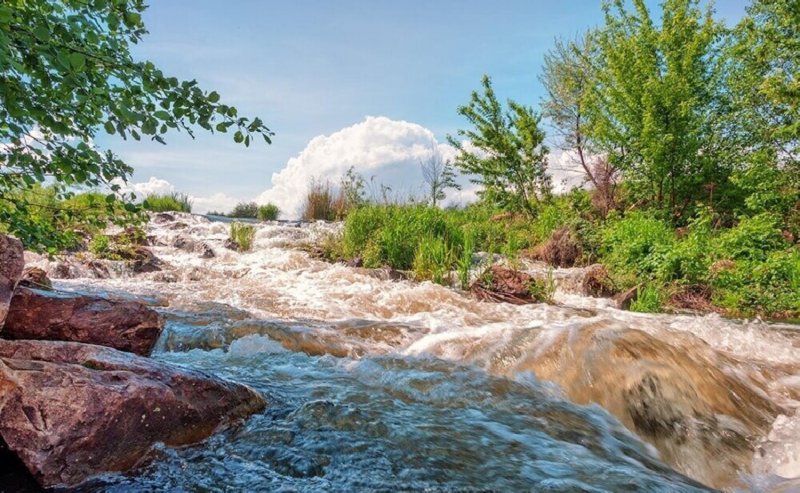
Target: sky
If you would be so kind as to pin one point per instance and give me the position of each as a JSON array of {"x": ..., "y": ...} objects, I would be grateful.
[{"x": 374, "y": 84}]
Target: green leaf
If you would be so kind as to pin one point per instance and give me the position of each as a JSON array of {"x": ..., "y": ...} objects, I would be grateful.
[
  {"x": 213, "y": 97},
  {"x": 77, "y": 61},
  {"x": 109, "y": 126},
  {"x": 238, "y": 137}
]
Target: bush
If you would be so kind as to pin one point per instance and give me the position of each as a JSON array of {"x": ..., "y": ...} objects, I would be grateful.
[
  {"x": 432, "y": 260},
  {"x": 245, "y": 210},
  {"x": 243, "y": 235},
  {"x": 648, "y": 300},
  {"x": 752, "y": 239},
  {"x": 751, "y": 287},
  {"x": 390, "y": 234},
  {"x": 636, "y": 244},
  {"x": 268, "y": 212},
  {"x": 323, "y": 203},
  {"x": 173, "y": 202}
]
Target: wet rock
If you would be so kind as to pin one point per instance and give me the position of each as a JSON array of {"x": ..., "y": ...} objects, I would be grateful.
[
  {"x": 143, "y": 260},
  {"x": 166, "y": 276},
  {"x": 560, "y": 250},
  {"x": 178, "y": 225},
  {"x": 232, "y": 245},
  {"x": 596, "y": 282},
  {"x": 204, "y": 250},
  {"x": 70, "y": 411},
  {"x": 355, "y": 262},
  {"x": 385, "y": 274},
  {"x": 12, "y": 262},
  {"x": 131, "y": 236},
  {"x": 163, "y": 217},
  {"x": 183, "y": 242},
  {"x": 502, "y": 284},
  {"x": 34, "y": 277},
  {"x": 625, "y": 298},
  {"x": 124, "y": 325}
]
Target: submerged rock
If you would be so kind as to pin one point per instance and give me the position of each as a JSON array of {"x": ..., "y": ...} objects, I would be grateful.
[
  {"x": 125, "y": 325},
  {"x": 70, "y": 411},
  {"x": 12, "y": 261}
]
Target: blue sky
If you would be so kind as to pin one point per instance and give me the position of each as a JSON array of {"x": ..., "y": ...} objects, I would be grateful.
[{"x": 313, "y": 67}]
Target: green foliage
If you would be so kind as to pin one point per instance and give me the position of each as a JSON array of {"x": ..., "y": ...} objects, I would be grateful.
[
  {"x": 648, "y": 300},
  {"x": 245, "y": 210},
  {"x": 655, "y": 105},
  {"x": 752, "y": 239},
  {"x": 268, "y": 212},
  {"x": 177, "y": 202},
  {"x": 464, "y": 261},
  {"x": 770, "y": 287},
  {"x": 432, "y": 260},
  {"x": 243, "y": 235},
  {"x": 542, "y": 290},
  {"x": 636, "y": 244},
  {"x": 66, "y": 73},
  {"x": 511, "y": 158}
]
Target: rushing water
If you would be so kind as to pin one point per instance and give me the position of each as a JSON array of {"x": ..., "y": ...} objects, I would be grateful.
[{"x": 382, "y": 385}]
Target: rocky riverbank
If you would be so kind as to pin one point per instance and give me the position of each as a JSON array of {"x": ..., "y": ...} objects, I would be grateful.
[{"x": 79, "y": 397}]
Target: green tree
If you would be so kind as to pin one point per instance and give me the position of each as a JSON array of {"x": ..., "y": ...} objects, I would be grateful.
[
  {"x": 66, "y": 73},
  {"x": 438, "y": 175},
  {"x": 509, "y": 158},
  {"x": 765, "y": 84},
  {"x": 656, "y": 102}
]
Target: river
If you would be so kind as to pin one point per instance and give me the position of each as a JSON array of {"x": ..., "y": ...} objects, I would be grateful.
[{"x": 381, "y": 385}]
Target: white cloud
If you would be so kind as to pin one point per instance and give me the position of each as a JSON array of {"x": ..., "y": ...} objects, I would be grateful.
[
  {"x": 143, "y": 189},
  {"x": 218, "y": 202},
  {"x": 200, "y": 205},
  {"x": 384, "y": 151}
]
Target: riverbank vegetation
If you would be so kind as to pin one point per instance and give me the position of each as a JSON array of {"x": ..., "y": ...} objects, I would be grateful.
[
  {"x": 686, "y": 133},
  {"x": 171, "y": 202}
]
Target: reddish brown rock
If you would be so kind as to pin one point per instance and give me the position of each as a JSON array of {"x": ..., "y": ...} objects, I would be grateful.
[
  {"x": 596, "y": 282},
  {"x": 41, "y": 315},
  {"x": 625, "y": 298},
  {"x": 70, "y": 411},
  {"x": 12, "y": 262},
  {"x": 34, "y": 277},
  {"x": 560, "y": 250},
  {"x": 502, "y": 284}
]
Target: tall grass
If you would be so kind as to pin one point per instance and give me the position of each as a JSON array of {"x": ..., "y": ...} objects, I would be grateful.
[
  {"x": 464, "y": 261},
  {"x": 323, "y": 202},
  {"x": 172, "y": 202},
  {"x": 432, "y": 260},
  {"x": 243, "y": 235}
]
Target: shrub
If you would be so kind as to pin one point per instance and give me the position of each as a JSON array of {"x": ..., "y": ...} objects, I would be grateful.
[
  {"x": 177, "y": 202},
  {"x": 464, "y": 261},
  {"x": 648, "y": 300},
  {"x": 268, "y": 212},
  {"x": 243, "y": 235},
  {"x": 390, "y": 234},
  {"x": 752, "y": 239},
  {"x": 322, "y": 203},
  {"x": 771, "y": 287},
  {"x": 635, "y": 244},
  {"x": 245, "y": 210},
  {"x": 432, "y": 260}
]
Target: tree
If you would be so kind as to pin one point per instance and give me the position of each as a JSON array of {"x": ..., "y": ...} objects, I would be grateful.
[
  {"x": 510, "y": 158},
  {"x": 438, "y": 175},
  {"x": 268, "y": 212},
  {"x": 66, "y": 72},
  {"x": 245, "y": 210},
  {"x": 567, "y": 76},
  {"x": 654, "y": 108}
]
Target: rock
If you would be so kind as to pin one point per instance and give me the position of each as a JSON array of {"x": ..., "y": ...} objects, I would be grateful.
[
  {"x": 232, "y": 245},
  {"x": 625, "y": 298},
  {"x": 560, "y": 250},
  {"x": 12, "y": 262},
  {"x": 145, "y": 261},
  {"x": 163, "y": 217},
  {"x": 131, "y": 236},
  {"x": 183, "y": 242},
  {"x": 204, "y": 250},
  {"x": 355, "y": 262},
  {"x": 502, "y": 284},
  {"x": 385, "y": 274},
  {"x": 34, "y": 277},
  {"x": 124, "y": 325},
  {"x": 166, "y": 276},
  {"x": 596, "y": 282},
  {"x": 70, "y": 411}
]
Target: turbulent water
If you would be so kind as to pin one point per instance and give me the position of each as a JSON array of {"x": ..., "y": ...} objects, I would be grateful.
[{"x": 381, "y": 385}]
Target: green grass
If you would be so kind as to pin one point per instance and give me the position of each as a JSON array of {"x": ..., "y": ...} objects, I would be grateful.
[
  {"x": 171, "y": 202},
  {"x": 243, "y": 235},
  {"x": 268, "y": 212}
]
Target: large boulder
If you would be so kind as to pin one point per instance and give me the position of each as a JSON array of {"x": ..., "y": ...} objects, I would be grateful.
[
  {"x": 12, "y": 261},
  {"x": 42, "y": 315},
  {"x": 70, "y": 411}
]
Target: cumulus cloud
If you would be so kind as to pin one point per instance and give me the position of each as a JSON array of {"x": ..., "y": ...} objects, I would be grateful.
[{"x": 384, "y": 151}]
